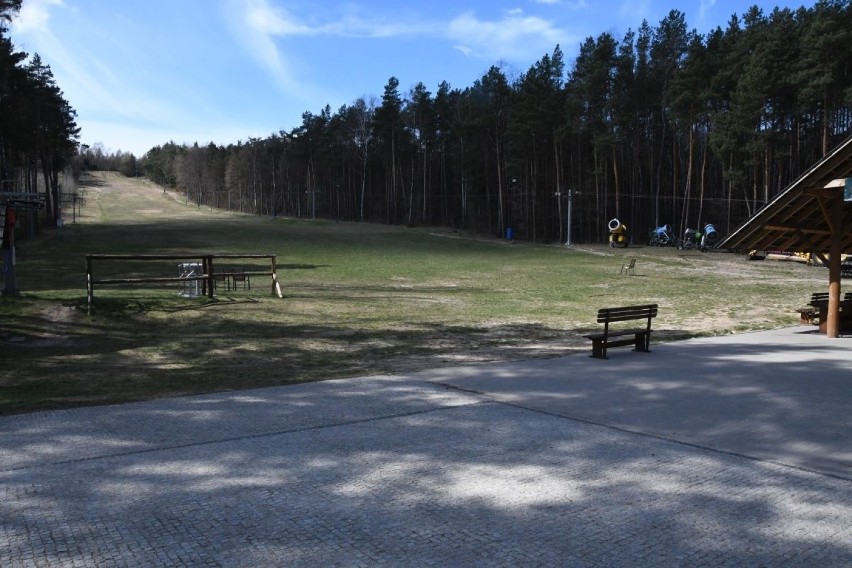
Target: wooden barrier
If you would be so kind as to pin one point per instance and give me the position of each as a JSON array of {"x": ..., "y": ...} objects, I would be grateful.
[{"x": 207, "y": 277}]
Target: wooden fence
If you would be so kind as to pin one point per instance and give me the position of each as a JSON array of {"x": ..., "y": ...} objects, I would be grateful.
[{"x": 207, "y": 278}]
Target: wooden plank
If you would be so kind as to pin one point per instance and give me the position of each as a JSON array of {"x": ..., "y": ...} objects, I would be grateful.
[
  {"x": 627, "y": 313},
  {"x": 150, "y": 279}
]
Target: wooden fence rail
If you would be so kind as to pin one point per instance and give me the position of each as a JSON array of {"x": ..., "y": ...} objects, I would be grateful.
[{"x": 207, "y": 277}]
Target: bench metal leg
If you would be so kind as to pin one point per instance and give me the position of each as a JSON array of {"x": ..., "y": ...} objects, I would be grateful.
[
  {"x": 599, "y": 348},
  {"x": 643, "y": 342}
]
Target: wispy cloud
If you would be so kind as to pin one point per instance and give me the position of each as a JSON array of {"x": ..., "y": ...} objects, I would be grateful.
[
  {"x": 77, "y": 78},
  {"x": 274, "y": 21},
  {"x": 572, "y": 4},
  {"x": 91, "y": 84},
  {"x": 258, "y": 25},
  {"x": 110, "y": 105},
  {"x": 34, "y": 15},
  {"x": 704, "y": 8},
  {"x": 635, "y": 10},
  {"x": 359, "y": 27},
  {"x": 267, "y": 20},
  {"x": 515, "y": 36},
  {"x": 264, "y": 28}
]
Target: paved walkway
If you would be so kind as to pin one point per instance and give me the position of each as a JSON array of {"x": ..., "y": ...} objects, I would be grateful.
[{"x": 732, "y": 451}]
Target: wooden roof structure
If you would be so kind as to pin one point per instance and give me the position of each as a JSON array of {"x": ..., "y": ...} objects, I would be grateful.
[
  {"x": 809, "y": 215},
  {"x": 798, "y": 219}
]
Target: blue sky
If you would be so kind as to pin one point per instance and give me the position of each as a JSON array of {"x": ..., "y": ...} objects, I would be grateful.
[{"x": 142, "y": 73}]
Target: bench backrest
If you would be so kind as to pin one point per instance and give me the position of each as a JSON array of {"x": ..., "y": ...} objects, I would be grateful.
[
  {"x": 626, "y": 313},
  {"x": 822, "y": 297}
]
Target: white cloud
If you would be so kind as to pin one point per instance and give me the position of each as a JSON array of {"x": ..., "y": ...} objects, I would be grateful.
[
  {"x": 571, "y": 4},
  {"x": 258, "y": 24},
  {"x": 265, "y": 19},
  {"x": 273, "y": 21},
  {"x": 34, "y": 15},
  {"x": 515, "y": 36},
  {"x": 352, "y": 26},
  {"x": 704, "y": 8},
  {"x": 263, "y": 28},
  {"x": 464, "y": 49}
]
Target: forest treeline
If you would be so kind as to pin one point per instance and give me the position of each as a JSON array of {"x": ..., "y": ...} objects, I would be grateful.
[
  {"x": 662, "y": 126},
  {"x": 38, "y": 129}
]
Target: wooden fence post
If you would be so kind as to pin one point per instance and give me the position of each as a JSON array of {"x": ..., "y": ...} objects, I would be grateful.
[
  {"x": 208, "y": 261},
  {"x": 276, "y": 287},
  {"x": 90, "y": 285}
]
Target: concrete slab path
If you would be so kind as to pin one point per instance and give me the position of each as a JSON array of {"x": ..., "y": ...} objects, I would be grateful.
[{"x": 729, "y": 451}]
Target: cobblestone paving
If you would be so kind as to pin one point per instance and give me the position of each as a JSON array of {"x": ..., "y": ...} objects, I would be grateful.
[{"x": 393, "y": 472}]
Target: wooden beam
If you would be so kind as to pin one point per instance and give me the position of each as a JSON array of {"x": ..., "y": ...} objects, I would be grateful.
[
  {"x": 793, "y": 229},
  {"x": 792, "y": 241},
  {"x": 831, "y": 216},
  {"x": 826, "y": 192},
  {"x": 814, "y": 249}
]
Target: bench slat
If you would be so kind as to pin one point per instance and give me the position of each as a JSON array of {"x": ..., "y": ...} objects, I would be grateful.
[
  {"x": 627, "y": 313},
  {"x": 616, "y": 333},
  {"x": 626, "y": 317}
]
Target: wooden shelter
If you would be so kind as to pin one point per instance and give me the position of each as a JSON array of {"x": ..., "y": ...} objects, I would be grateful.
[{"x": 814, "y": 213}]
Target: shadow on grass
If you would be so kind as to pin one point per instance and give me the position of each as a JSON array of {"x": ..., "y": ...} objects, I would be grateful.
[
  {"x": 136, "y": 349},
  {"x": 292, "y": 266}
]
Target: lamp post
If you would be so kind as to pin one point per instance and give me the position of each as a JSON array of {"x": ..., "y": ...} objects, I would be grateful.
[{"x": 569, "y": 217}]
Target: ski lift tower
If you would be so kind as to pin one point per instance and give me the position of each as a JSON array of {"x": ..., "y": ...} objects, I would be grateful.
[{"x": 12, "y": 205}]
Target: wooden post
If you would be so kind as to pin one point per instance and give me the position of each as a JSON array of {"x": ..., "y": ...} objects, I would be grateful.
[
  {"x": 208, "y": 267},
  {"x": 832, "y": 328},
  {"x": 276, "y": 287},
  {"x": 90, "y": 286}
]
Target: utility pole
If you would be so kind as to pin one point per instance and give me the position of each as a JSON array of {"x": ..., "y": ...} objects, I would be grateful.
[{"x": 570, "y": 207}]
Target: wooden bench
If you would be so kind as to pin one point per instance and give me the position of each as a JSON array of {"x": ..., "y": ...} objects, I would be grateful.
[
  {"x": 641, "y": 337},
  {"x": 812, "y": 313}
]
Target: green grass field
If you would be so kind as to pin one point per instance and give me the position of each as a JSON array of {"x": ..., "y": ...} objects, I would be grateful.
[{"x": 358, "y": 299}]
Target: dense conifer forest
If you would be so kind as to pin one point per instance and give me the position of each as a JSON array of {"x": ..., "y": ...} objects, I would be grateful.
[{"x": 665, "y": 125}]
